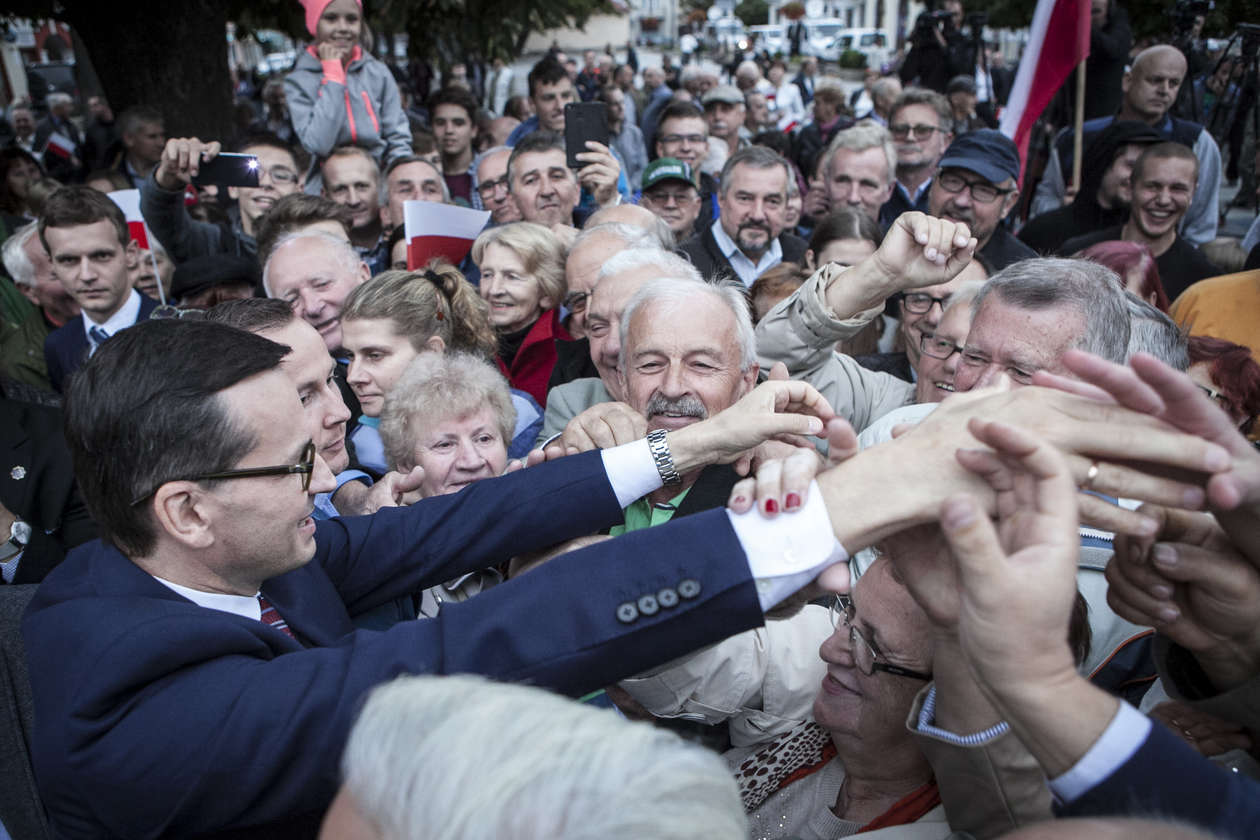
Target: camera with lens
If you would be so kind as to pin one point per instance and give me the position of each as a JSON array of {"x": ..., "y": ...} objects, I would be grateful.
[
  {"x": 1184, "y": 12},
  {"x": 927, "y": 23}
]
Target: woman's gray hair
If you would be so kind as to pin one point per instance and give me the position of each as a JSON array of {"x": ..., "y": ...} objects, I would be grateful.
[
  {"x": 1092, "y": 289},
  {"x": 671, "y": 265},
  {"x": 1153, "y": 332},
  {"x": 426, "y": 751},
  {"x": 342, "y": 249},
  {"x": 14, "y": 256},
  {"x": 671, "y": 291},
  {"x": 437, "y": 387}
]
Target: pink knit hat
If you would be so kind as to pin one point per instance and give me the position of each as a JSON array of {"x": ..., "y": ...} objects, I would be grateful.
[{"x": 315, "y": 8}]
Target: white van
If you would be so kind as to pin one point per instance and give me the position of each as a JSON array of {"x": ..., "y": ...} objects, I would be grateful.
[{"x": 872, "y": 43}]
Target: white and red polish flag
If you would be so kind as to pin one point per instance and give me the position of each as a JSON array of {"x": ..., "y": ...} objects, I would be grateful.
[
  {"x": 129, "y": 202},
  {"x": 61, "y": 146},
  {"x": 440, "y": 230},
  {"x": 1058, "y": 42}
]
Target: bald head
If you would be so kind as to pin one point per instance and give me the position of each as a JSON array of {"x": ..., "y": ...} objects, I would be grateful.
[{"x": 1150, "y": 86}]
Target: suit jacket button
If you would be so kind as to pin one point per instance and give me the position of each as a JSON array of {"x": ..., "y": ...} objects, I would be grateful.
[
  {"x": 648, "y": 605},
  {"x": 689, "y": 588},
  {"x": 627, "y": 613},
  {"x": 667, "y": 597}
]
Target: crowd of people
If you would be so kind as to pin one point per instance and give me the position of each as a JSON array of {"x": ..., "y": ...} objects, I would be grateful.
[{"x": 804, "y": 488}]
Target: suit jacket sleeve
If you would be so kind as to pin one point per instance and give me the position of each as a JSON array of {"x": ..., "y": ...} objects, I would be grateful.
[
  {"x": 1165, "y": 777},
  {"x": 183, "y": 236},
  {"x": 176, "y": 720}
]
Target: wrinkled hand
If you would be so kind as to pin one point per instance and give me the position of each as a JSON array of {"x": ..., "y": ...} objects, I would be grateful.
[
  {"x": 181, "y": 160},
  {"x": 1018, "y": 580},
  {"x": 1189, "y": 582},
  {"x": 1149, "y": 386},
  {"x": 922, "y": 250},
  {"x": 600, "y": 173},
  {"x": 774, "y": 410},
  {"x": 602, "y": 426},
  {"x": 1139, "y": 457},
  {"x": 1207, "y": 733}
]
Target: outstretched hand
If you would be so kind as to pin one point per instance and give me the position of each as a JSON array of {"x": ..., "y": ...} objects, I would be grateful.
[
  {"x": 181, "y": 161},
  {"x": 1018, "y": 579},
  {"x": 922, "y": 250}
]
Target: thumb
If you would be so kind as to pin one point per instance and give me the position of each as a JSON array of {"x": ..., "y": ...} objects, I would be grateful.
[
  {"x": 778, "y": 373},
  {"x": 972, "y": 541},
  {"x": 842, "y": 442},
  {"x": 410, "y": 481}
]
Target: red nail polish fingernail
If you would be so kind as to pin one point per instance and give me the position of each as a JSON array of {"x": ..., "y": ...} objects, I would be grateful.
[
  {"x": 792, "y": 502},
  {"x": 772, "y": 506}
]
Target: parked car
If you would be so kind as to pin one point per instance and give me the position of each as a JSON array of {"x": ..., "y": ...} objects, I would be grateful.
[
  {"x": 819, "y": 33},
  {"x": 872, "y": 43},
  {"x": 770, "y": 37}
]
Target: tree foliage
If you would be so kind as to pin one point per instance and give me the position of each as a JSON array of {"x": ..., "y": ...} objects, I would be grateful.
[
  {"x": 753, "y": 12},
  {"x": 1148, "y": 18}
]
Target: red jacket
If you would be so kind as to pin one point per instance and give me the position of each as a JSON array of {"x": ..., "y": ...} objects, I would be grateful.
[{"x": 531, "y": 369}]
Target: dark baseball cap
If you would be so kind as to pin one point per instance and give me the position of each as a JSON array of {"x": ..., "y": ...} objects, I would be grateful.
[
  {"x": 667, "y": 169},
  {"x": 986, "y": 152}
]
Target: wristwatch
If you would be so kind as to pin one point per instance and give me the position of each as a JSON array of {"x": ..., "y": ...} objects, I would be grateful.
[
  {"x": 663, "y": 459},
  {"x": 19, "y": 536}
]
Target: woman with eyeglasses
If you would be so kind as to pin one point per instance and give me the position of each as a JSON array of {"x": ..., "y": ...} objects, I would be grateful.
[
  {"x": 522, "y": 282},
  {"x": 398, "y": 315},
  {"x": 1228, "y": 374}
]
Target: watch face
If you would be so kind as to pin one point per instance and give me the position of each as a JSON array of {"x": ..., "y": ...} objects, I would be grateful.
[{"x": 20, "y": 532}]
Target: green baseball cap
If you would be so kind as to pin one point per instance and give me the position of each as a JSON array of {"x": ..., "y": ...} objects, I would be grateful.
[{"x": 667, "y": 169}]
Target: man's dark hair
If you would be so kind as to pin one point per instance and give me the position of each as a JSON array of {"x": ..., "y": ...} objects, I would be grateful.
[
  {"x": 757, "y": 157},
  {"x": 454, "y": 95},
  {"x": 131, "y": 119},
  {"x": 80, "y": 205},
  {"x": 423, "y": 142},
  {"x": 547, "y": 71},
  {"x": 145, "y": 410},
  {"x": 253, "y": 315},
  {"x": 273, "y": 141},
  {"x": 684, "y": 110},
  {"x": 536, "y": 141},
  {"x": 297, "y": 211}
]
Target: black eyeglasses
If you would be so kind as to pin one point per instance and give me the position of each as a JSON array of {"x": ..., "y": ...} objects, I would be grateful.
[
  {"x": 865, "y": 655},
  {"x": 675, "y": 139},
  {"x": 901, "y": 131},
  {"x": 487, "y": 188},
  {"x": 981, "y": 191},
  {"x": 938, "y": 348},
  {"x": 305, "y": 468},
  {"x": 921, "y": 302}
]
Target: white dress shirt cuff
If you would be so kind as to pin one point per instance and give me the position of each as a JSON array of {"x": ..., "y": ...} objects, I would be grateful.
[
  {"x": 1120, "y": 740},
  {"x": 787, "y": 552},
  {"x": 631, "y": 471}
]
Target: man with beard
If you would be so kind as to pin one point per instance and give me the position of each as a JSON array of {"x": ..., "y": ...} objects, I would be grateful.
[
  {"x": 1104, "y": 197},
  {"x": 748, "y": 237},
  {"x": 1163, "y": 187},
  {"x": 978, "y": 184}
]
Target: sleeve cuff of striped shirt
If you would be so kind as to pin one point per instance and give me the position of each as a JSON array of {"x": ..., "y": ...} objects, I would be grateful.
[
  {"x": 784, "y": 553},
  {"x": 928, "y": 714}
]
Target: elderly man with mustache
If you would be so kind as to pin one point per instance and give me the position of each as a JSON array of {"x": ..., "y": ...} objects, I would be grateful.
[{"x": 749, "y": 236}]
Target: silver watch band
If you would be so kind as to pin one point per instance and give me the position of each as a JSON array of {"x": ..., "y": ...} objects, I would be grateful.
[{"x": 664, "y": 461}]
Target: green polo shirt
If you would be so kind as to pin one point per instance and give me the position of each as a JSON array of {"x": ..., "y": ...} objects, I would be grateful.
[{"x": 643, "y": 514}]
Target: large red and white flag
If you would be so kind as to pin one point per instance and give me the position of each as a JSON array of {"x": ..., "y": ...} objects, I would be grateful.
[
  {"x": 440, "y": 230},
  {"x": 1058, "y": 41},
  {"x": 61, "y": 146},
  {"x": 129, "y": 202}
]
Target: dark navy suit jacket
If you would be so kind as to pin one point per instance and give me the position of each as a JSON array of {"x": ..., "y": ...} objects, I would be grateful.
[
  {"x": 66, "y": 348},
  {"x": 1166, "y": 778},
  {"x": 158, "y": 717}
]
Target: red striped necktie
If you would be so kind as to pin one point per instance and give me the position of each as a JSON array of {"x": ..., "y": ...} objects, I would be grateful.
[{"x": 271, "y": 617}]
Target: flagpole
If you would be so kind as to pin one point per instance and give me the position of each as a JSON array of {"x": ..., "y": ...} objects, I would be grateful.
[
  {"x": 158, "y": 275},
  {"x": 1078, "y": 140}
]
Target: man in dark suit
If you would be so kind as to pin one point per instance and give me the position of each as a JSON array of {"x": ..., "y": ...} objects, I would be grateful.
[
  {"x": 748, "y": 237},
  {"x": 92, "y": 251},
  {"x": 41, "y": 514},
  {"x": 230, "y": 703},
  {"x": 64, "y": 156}
]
